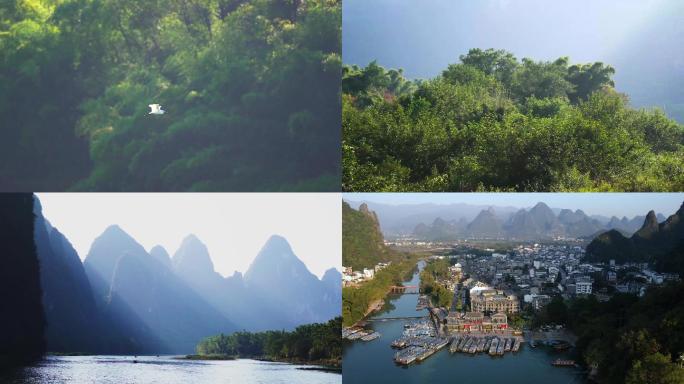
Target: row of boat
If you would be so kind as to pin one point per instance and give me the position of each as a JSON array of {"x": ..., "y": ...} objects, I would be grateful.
[
  {"x": 357, "y": 333},
  {"x": 414, "y": 334},
  {"x": 493, "y": 345},
  {"x": 421, "y": 328},
  {"x": 422, "y": 349},
  {"x": 418, "y": 342}
]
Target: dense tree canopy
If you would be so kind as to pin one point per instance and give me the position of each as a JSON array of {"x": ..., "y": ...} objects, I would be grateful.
[
  {"x": 251, "y": 89},
  {"x": 627, "y": 339},
  {"x": 311, "y": 342},
  {"x": 430, "y": 277},
  {"x": 492, "y": 122}
]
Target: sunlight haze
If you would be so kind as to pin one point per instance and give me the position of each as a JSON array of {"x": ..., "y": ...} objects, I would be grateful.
[{"x": 233, "y": 226}]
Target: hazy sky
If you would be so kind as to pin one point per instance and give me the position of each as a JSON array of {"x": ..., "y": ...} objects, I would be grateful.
[
  {"x": 607, "y": 204},
  {"x": 423, "y": 36},
  {"x": 641, "y": 39},
  {"x": 234, "y": 226}
]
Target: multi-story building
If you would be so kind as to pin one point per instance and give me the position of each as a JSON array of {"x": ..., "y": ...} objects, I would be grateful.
[
  {"x": 491, "y": 300},
  {"x": 583, "y": 285},
  {"x": 476, "y": 322}
]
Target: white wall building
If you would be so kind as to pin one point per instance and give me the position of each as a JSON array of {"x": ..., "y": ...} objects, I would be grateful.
[{"x": 583, "y": 287}]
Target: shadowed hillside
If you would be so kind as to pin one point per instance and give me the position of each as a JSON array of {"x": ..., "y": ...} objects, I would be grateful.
[
  {"x": 22, "y": 320},
  {"x": 661, "y": 244}
]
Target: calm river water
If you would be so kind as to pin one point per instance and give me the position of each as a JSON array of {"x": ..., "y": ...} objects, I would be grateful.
[
  {"x": 371, "y": 362},
  {"x": 163, "y": 370}
]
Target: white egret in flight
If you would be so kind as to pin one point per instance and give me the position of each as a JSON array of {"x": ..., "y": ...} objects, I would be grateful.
[{"x": 155, "y": 109}]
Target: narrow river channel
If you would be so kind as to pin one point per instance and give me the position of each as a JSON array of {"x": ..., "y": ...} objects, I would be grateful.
[{"x": 371, "y": 362}]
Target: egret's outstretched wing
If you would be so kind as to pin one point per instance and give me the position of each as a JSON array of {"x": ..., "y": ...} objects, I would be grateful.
[{"x": 155, "y": 109}]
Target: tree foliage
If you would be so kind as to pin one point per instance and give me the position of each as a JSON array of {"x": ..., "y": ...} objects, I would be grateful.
[
  {"x": 433, "y": 272},
  {"x": 628, "y": 339},
  {"x": 357, "y": 300},
  {"x": 251, "y": 89},
  {"x": 494, "y": 123},
  {"x": 363, "y": 244},
  {"x": 310, "y": 342}
]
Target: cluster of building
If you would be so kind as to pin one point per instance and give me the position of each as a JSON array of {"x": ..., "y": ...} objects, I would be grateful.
[
  {"x": 539, "y": 272},
  {"x": 476, "y": 322},
  {"x": 535, "y": 272},
  {"x": 351, "y": 277},
  {"x": 633, "y": 278}
]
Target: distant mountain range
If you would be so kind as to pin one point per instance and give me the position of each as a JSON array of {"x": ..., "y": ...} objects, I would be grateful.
[
  {"x": 402, "y": 219},
  {"x": 537, "y": 223},
  {"x": 661, "y": 244},
  {"x": 123, "y": 299}
]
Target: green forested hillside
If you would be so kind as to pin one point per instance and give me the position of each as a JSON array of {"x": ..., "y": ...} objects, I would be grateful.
[
  {"x": 627, "y": 339},
  {"x": 362, "y": 242},
  {"x": 363, "y": 247},
  {"x": 493, "y": 122},
  {"x": 250, "y": 87}
]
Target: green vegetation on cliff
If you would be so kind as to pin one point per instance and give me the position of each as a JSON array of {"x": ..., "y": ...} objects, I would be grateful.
[
  {"x": 492, "y": 122},
  {"x": 363, "y": 245},
  {"x": 251, "y": 90}
]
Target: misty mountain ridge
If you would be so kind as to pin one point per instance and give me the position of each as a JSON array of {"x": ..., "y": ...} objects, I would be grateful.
[
  {"x": 403, "y": 218},
  {"x": 537, "y": 223},
  {"x": 123, "y": 299}
]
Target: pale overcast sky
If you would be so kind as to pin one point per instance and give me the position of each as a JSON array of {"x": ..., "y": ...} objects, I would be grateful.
[
  {"x": 641, "y": 39},
  {"x": 234, "y": 226},
  {"x": 424, "y": 36},
  {"x": 606, "y": 204}
]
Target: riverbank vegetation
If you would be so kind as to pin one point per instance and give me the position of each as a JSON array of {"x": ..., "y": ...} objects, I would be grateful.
[
  {"x": 356, "y": 301},
  {"x": 209, "y": 357},
  {"x": 495, "y": 123},
  {"x": 251, "y": 90},
  {"x": 628, "y": 339},
  {"x": 319, "y": 344},
  {"x": 435, "y": 271}
]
